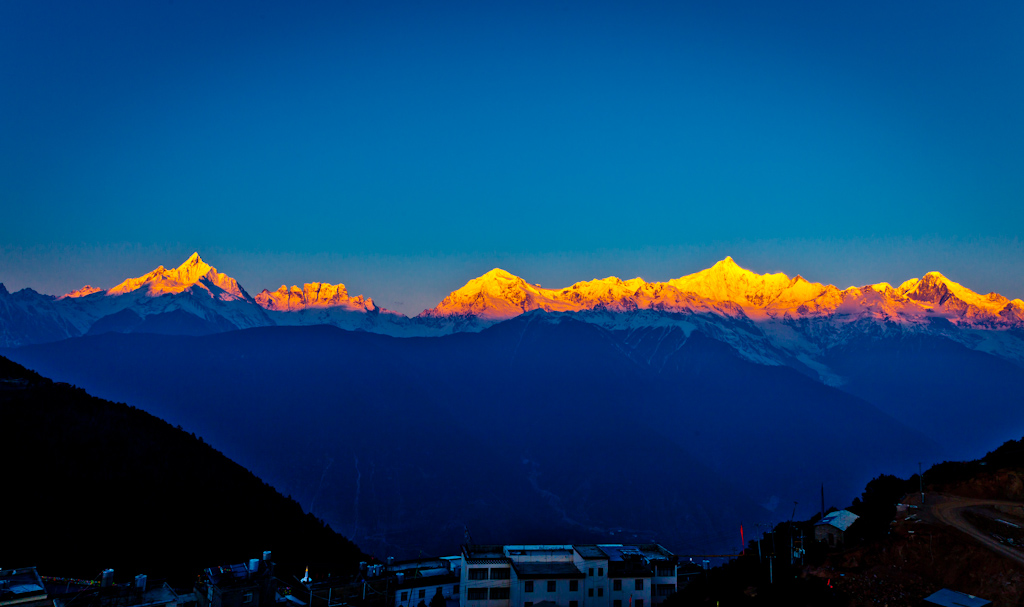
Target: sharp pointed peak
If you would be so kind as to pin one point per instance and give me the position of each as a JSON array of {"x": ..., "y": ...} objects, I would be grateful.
[
  {"x": 727, "y": 266},
  {"x": 194, "y": 260}
]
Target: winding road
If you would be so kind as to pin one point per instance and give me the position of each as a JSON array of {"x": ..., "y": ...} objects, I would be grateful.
[{"x": 950, "y": 511}]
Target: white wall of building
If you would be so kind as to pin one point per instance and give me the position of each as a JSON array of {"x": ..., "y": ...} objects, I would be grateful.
[{"x": 411, "y": 597}]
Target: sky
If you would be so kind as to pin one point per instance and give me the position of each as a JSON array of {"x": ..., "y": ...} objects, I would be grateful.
[{"x": 403, "y": 148}]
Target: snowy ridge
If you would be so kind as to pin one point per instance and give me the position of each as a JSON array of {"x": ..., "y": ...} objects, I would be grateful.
[
  {"x": 767, "y": 318},
  {"x": 728, "y": 290}
]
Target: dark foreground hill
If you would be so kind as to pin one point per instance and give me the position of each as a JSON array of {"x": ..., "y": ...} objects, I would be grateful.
[
  {"x": 892, "y": 555},
  {"x": 89, "y": 484}
]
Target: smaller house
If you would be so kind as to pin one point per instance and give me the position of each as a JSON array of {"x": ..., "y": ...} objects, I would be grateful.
[
  {"x": 832, "y": 528},
  {"x": 952, "y": 598},
  {"x": 22, "y": 587},
  {"x": 418, "y": 581},
  {"x": 249, "y": 584}
]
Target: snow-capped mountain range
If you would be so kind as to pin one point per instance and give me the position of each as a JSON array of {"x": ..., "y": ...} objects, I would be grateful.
[{"x": 768, "y": 318}]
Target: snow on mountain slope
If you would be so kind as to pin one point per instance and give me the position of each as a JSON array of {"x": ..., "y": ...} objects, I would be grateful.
[
  {"x": 768, "y": 318},
  {"x": 193, "y": 274},
  {"x": 194, "y": 287},
  {"x": 313, "y": 295},
  {"x": 86, "y": 290},
  {"x": 729, "y": 290}
]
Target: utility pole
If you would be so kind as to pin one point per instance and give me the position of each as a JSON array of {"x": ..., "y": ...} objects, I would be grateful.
[{"x": 920, "y": 481}]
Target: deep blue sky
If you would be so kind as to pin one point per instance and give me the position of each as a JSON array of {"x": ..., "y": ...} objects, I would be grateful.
[{"x": 403, "y": 148}]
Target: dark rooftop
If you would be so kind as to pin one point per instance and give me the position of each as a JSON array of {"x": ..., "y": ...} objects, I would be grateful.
[
  {"x": 951, "y": 598},
  {"x": 590, "y": 552},
  {"x": 433, "y": 580},
  {"x": 229, "y": 574},
  {"x": 20, "y": 583},
  {"x": 547, "y": 571},
  {"x": 619, "y": 552},
  {"x": 485, "y": 554}
]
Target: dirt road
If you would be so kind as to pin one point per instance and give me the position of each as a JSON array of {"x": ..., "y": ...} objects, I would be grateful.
[{"x": 950, "y": 511}]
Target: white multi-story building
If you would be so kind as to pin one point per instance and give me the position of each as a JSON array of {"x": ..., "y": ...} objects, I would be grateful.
[{"x": 553, "y": 575}]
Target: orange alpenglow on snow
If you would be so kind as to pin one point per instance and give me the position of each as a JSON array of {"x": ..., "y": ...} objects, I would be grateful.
[
  {"x": 313, "y": 295},
  {"x": 726, "y": 288},
  {"x": 86, "y": 290},
  {"x": 193, "y": 273}
]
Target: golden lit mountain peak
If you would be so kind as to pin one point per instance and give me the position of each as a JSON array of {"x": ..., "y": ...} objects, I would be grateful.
[
  {"x": 86, "y": 290},
  {"x": 194, "y": 272},
  {"x": 498, "y": 274},
  {"x": 312, "y": 295}
]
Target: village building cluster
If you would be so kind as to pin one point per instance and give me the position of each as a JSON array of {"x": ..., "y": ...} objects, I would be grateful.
[{"x": 588, "y": 575}]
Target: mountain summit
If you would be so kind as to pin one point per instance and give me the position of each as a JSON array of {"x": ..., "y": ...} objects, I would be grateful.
[
  {"x": 728, "y": 288},
  {"x": 193, "y": 273},
  {"x": 768, "y": 318}
]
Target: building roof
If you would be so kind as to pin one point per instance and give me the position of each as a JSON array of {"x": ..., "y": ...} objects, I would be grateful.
[
  {"x": 952, "y": 598},
  {"x": 556, "y": 570},
  {"x": 418, "y": 564},
  {"x": 424, "y": 582},
  {"x": 589, "y": 552},
  {"x": 621, "y": 552},
  {"x": 485, "y": 554},
  {"x": 625, "y": 561},
  {"x": 656, "y": 552},
  {"x": 840, "y": 519},
  {"x": 20, "y": 583},
  {"x": 230, "y": 574}
]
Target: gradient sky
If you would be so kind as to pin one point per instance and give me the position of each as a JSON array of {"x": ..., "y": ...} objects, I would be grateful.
[{"x": 404, "y": 148}]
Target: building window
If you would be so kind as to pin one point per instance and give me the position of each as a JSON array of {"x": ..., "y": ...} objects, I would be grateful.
[
  {"x": 666, "y": 589},
  {"x": 476, "y": 594},
  {"x": 590, "y": 592},
  {"x": 639, "y": 603},
  {"x": 528, "y": 604},
  {"x": 590, "y": 572},
  {"x": 617, "y": 603},
  {"x": 616, "y": 584},
  {"x": 665, "y": 571},
  {"x": 551, "y": 585},
  {"x": 600, "y": 571},
  {"x": 500, "y": 574},
  {"x": 477, "y": 573},
  {"x": 499, "y": 593},
  {"x": 574, "y": 585},
  {"x": 247, "y": 598},
  {"x": 405, "y": 596},
  {"x": 639, "y": 584},
  {"x": 600, "y": 592},
  {"x": 529, "y": 586},
  {"x": 455, "y": 589},
  {"x": 574, "y": 604},
  {"x": 423, "y": 593}
]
